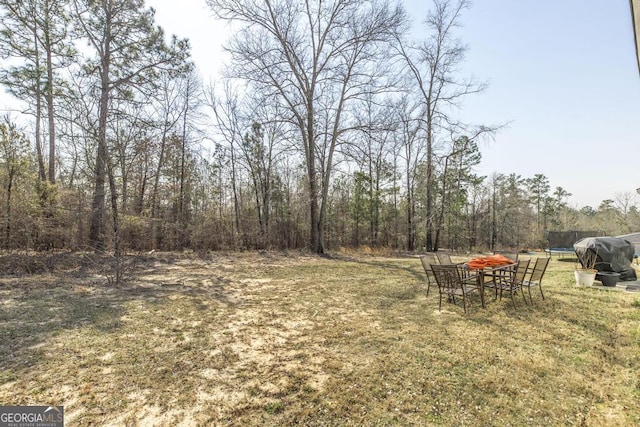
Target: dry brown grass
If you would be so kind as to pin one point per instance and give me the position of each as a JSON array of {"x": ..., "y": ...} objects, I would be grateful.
[{"x": 281, "y": 339}]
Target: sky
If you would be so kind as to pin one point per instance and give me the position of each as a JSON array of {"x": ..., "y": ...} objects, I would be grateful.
[{"x": 561, "y": 73}]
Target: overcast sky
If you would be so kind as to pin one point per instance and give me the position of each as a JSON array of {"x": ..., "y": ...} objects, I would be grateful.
[{"x": 562, "y": 73}]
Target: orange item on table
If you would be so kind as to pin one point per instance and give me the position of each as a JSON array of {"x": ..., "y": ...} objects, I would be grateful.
[{"x": 488, "y": 261}]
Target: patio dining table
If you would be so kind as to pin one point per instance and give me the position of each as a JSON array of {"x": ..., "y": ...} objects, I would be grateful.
[{"x": 489, "y": 266}]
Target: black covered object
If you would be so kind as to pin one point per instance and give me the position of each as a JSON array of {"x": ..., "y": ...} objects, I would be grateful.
[{"x": 612, "y": 254}]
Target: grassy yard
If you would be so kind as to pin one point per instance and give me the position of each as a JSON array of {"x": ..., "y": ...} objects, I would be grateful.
[{"x": 281, "y": 339}]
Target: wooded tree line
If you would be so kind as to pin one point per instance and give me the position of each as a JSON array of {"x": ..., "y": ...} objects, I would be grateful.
[{"x": 332, "y": 126}]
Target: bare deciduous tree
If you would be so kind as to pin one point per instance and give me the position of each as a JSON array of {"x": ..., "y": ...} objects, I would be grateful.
[
  {"x": 227, "y": 116},
  {"x": 433, "y": 64},
  {"x": 317, "y": 57}
]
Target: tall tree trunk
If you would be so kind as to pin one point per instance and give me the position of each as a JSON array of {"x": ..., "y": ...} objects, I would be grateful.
[
  {"x": 266, "y": 195},
  {"x": 97, "y": 228},
  {"x": 49, "y": 98},
  {"x": 411, "y": 233},
  {"x": 443, "y": 202},
  {"x": 315, "y": 235},
  {"x": 124, "y": 207},
  {"x": 236, "y": 197},
  {"x": 155, "y": 224},
  {"x": 324, "y": 198},
  {"x": 429, "y": 208},
  {"x": 181, "y": 196},
  {"x": 143, "y": 181},
  {"x": 41, "y": 170},
  {"x": 494, "y": 221},
  {"x": 396, "y": 214},
  {"x": 38, "y": 132},
  {"x": 116, "y": 224},
  {"x": 266, "y": 190},
  {"x": 372, "y": 202},
  {"x": 315, "y": 230},
  {"x": 7, "y": 227}
]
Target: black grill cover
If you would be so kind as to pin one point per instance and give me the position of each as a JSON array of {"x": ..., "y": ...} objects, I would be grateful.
[{"x": 613, "y": 254}]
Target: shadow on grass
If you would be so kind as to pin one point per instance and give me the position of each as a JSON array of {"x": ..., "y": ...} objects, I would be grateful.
[{"x": 33, "y": 312}]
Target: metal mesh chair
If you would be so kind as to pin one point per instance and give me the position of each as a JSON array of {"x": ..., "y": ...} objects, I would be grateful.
[
  {"x": 427, "y": 261},
  {"x": 509, "y": 279},
  {"x": 453, "y": 283},
  {"x": 535, "y": 276},
  {"x": 444, "y": 258}
]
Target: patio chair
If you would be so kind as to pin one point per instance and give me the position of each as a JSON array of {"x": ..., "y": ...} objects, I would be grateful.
[
  {"x": 510, "y": 279},
  {"x": 427, "y": 261},
  {"x": 535, "y": 276},
  {"x": 452, "y": 283},
  {"x": 444, "y": 258}
]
